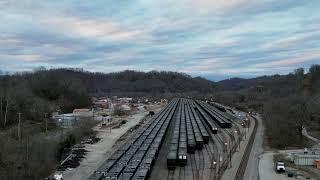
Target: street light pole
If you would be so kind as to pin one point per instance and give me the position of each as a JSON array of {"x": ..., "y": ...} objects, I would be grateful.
[
  {"x": 60, "y": 121},
  {"x": 19, "y": 127}
]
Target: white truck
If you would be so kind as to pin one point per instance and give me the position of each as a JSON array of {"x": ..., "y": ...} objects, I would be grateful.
[{"x": 280, "y": 168}]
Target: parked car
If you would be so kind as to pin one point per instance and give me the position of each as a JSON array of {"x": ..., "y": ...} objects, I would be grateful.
[{"x": 280, "y": 168}]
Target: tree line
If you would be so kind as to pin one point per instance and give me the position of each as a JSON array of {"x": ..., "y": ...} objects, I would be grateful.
[
  {"x": 286, "y": 102},
  {"x": 35, "y": 94}
]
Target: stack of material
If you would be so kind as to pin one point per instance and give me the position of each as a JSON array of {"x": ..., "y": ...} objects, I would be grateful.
[{"x": 317, "y": 164}]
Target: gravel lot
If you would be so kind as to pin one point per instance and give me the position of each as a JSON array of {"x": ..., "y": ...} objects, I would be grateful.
[{"x": 266, "y": 168}]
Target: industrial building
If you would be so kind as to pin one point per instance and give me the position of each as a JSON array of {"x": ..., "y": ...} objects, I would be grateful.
[{"x": 306, "y": 159}]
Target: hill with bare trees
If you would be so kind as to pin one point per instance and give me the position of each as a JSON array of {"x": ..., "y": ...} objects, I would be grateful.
[{"x": 287, "y": 102}]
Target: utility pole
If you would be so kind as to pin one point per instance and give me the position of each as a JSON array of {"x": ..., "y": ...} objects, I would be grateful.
[
  {"x": 46, "y": 122},
  {"x": 109, "y": 120},
  {"x": 1, "y": 109},
  {"x": 19, "y": 127}
]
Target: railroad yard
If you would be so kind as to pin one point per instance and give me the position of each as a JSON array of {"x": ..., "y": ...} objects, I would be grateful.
[{"x": 187, "y": 139}]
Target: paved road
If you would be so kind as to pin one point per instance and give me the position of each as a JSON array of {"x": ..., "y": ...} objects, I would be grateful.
[
  {"x": 305, "y": 133},
  {"x": 252, "y": 171}
]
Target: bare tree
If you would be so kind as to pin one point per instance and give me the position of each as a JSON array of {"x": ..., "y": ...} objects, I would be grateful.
[
  {"x": 6, "y": 113},
  {"x": 1, "y": 111}
]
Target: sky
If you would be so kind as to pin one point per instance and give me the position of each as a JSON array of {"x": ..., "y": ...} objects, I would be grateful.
[{"x": 215, "y": 39}]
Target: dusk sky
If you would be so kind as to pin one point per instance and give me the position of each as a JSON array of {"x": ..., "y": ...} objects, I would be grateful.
[{"x": 215, "y": 39}]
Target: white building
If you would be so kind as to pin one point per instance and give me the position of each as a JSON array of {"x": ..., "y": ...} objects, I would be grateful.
[{"x": 306, "y": 159}]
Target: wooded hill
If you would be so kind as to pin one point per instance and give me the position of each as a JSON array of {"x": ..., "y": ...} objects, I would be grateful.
[
  {"x": 42, "y": 91},
  {"x": 286, "y": 102}
]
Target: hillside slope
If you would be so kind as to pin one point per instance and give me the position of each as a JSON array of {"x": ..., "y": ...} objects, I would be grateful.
[
  {"x": 287, "y": 103},
  {"x": 42, "y": 91}
]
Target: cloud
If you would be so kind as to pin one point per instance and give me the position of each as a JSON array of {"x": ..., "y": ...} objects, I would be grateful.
[
  {"x": 292, "y": 40},
  {"x": 94, "y": 28},
  {"x": 290, "y": 61},
  {"x": 218, "y": 6},
  {"x": 21, "y": 57},
  {"x": 10, "y": 41}
]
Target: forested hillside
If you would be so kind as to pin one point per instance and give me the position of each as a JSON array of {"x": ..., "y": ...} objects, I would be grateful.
[
  {"x": 287, "y": 102},
  {"x": 36, "y": 93}
]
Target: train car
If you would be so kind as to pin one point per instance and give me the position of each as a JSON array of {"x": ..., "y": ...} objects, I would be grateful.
[
  {"x": 202, "y": 129},
  {"x": 105, "y": 167},
  {"x": 221, "y": 120},
  {"x": 147, "y": 161},
  {"x": 215, "y": 116},
  {"x": 182, "y": 156},
  {"x": 141, "y": 174},
  {"x": 112, "y": 176},
  {"x": 172, "y": 160},
  {"x": 207, "y": 119},
  {"x": 117, "y": 155},
  {"x": 191, "y": 146},
  {"x": 126, "y": 176},
  {"x": 115, "y": 172},
  {"x": 131, "y": 167},
  {"x": 199, "y": 141}
]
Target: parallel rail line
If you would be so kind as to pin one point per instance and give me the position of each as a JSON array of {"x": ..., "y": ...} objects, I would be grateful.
[{"x": 244, "y": 162}]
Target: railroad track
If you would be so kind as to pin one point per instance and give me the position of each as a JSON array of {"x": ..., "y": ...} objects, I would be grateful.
[
  {"x": 170, "y": 175},
  {"x": 244, "y": 162},
  {"x": 212, "y": 151},
  {"x": 142, "y": 147},
  {"x": 194, "y": 167},
  {"x": 182, "y": 173},
  {"x": 202, "y": 164}
]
